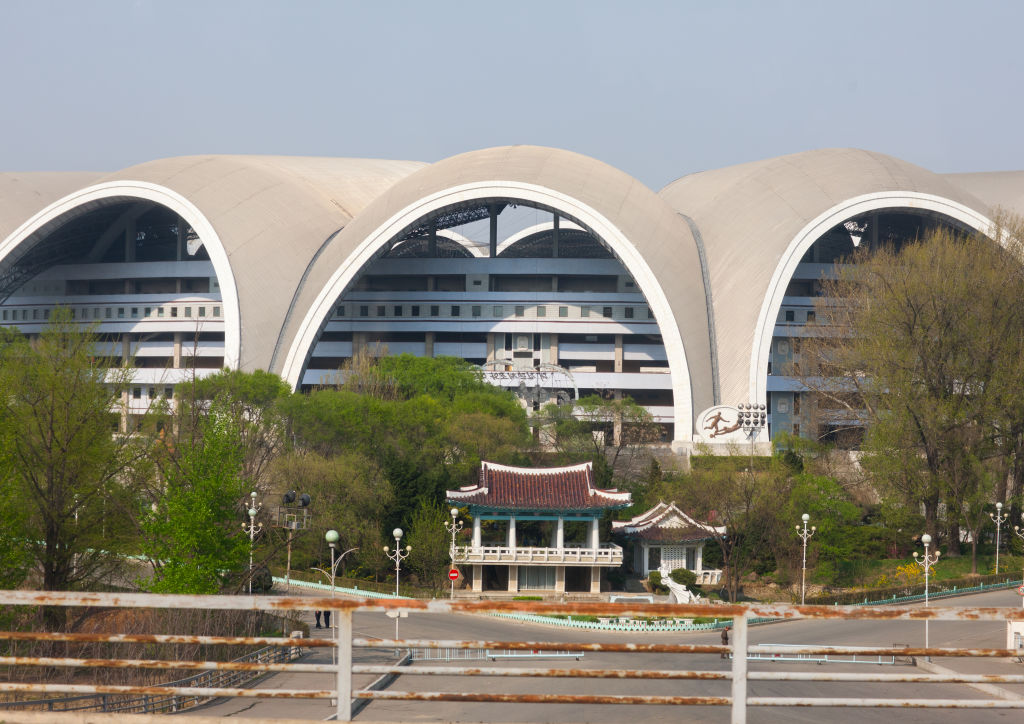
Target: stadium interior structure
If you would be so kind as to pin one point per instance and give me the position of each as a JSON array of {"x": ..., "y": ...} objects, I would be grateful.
[{"x": 558, "y": 275}]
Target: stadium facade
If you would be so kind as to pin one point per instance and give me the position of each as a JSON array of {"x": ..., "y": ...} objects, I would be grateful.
[{"x": 559, "y": 275}]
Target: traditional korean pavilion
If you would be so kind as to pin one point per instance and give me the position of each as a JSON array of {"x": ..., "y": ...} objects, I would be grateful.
[
  {"x": 536, "y": 529},
  {"x": 666, "y": 536}
]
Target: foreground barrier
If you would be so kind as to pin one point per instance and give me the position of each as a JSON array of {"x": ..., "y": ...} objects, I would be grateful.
[{"x": 737, "y": 673}]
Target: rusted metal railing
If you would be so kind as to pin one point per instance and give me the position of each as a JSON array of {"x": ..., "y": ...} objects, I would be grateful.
[{"x": 735, "y": 672}]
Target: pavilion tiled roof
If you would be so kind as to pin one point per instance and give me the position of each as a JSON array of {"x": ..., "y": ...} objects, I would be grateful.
[
  {"x": 665, "y": 523},
  {"x": 503, "y": 487}
]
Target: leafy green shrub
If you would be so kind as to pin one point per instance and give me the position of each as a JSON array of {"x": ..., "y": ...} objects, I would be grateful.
[
  {"x": 528, "y": 598},
  {"x": 656, "y": 585},
  {"x": 684, "y": 576}
]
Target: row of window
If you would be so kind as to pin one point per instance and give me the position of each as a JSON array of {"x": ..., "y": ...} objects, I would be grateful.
[
  {"x": 790, "y": 316},
  {"x": 86, "y": 313},
  {"x": 497, "y": 310},
  {"x": 137, "y": 393}
]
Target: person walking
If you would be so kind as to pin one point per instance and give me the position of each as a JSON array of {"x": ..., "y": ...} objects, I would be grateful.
[
  {"x": 317, "y": 615},
  {"x": 725, "y": 641},
  {"x": 327, "y": 619}
]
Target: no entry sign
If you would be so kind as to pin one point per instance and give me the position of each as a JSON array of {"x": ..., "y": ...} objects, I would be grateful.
[{"x": 453, "y": 574}]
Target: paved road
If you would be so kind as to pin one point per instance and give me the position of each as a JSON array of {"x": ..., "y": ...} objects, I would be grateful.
[{"x": 858, "y": 633}]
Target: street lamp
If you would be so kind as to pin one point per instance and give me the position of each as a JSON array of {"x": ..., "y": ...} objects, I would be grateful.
[
  {"x": 752, "y": 417},
  {"x": 805, "y": 536},
  {"x": 927, "y": 561},
  {"x": 331, "y": 537},
  {"x": 999, "y": 518},
  {"x": 252, "y": 529},
  {"x": 398, "y": 555},
  {"x": 454, "y": 527}
]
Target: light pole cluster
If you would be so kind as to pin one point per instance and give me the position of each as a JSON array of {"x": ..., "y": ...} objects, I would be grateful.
[
  {"x": 805, "y": 535},
  {"x": 252, "y": 529},
  {"x": 454, "y": 527},
  {"x": 998, "y": 518},
  {"x": 752, "y": 417},
  {"x": 926, "y": 562}
]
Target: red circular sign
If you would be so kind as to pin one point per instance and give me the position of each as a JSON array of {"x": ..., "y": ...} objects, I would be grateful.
[{"x": 453, "y": 574}]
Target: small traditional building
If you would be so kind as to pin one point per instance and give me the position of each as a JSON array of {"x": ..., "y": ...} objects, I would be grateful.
[
  {"x": 667, "y": 537},
  {"x": 536, "y": 529}
]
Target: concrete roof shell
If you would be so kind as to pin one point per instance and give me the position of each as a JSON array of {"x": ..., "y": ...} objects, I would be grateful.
[
  {"x": 651, "y": 240},
  {"x": 757, "y": 219},
  {"x": 262, "y": 218},
  {"x": 22, "y": 195},
  {"x": 998, "y": 189}
]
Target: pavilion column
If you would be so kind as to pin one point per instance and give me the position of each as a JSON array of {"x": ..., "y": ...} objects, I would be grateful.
[
  {"x": 478, "y": 578},
  {"x": 595, "y": 539},
  {"x": 699, "y": 564},
  {"x": 559, "y": 579},
  {"x": 476, "y": 531},
  {"x": 645, "y": 552},
  {"x": 595, "y": 579},
  {"x": 560, "y": 537},
  {"x": 512, "y": 532}
]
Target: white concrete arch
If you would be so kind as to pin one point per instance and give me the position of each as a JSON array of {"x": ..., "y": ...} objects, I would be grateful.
[
  {"x": 94, "y": 196},
  {"x": 883, "y": 200},
  {"x": 597, "y": 223},
  {"x": 536, "y": 229}
]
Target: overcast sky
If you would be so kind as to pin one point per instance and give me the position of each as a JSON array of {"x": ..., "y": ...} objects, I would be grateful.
[{"x": 658, "y": 89}]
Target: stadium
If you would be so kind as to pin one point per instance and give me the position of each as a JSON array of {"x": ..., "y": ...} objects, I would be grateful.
[{"x": 559, "y": 275}]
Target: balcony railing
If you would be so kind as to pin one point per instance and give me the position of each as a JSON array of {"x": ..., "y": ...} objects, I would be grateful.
[{"x": 608, "y": 554}]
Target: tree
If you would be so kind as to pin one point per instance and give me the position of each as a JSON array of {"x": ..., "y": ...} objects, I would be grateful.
[
  {"x": 191, "y": 534},
  {"x": 742, "y": 508},
  {"x": 64, "y": 463},
  {"x": 430, "y": 541},
  {"x": 253, "y": 400},
  {"x": 613, "y": 433},
  {"x": 927, "y": 357}
]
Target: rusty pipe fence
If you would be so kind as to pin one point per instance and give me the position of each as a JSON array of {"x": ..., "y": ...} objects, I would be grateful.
[{"x": 736, "y": 674}]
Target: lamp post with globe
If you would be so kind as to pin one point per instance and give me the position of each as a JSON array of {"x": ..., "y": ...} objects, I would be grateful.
[
  {"x": 926, "y": 561},
  {"x": 252, "y": 529},
  {"x": 454, "y": 527},
  {"x": 398, "y": 555},
  {"x": 999, "y": 517},
  {"x": 805, "y": 536}
]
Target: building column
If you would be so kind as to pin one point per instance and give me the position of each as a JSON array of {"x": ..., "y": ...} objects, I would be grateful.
[
  {"x": 595, "y": 579},
  {"x": 560, "y": 534},
  {"x": 617, "y": 424},
  {"x": 476, "y": 531},
  {"x": 428, "y": 344},
  {"x": 512, "y": 532},
  {"x": 490, "y": 346},
  {"x": 478, "y": 578},
  {"x": 432, "y": 242},
  {"x": 182, "y": 240},
  {"x": 554, "y": 235},
  {"x": 559, "y": 579},
  {"x": 493, "y": 209},
  {"x": 553, "y": 355},
  {"x": 618, "y": 353},
  {"x": 177, "y": 350},
  {"x": 595, "y": 534},
  {"x": 513, "y": 579},
  {"x": 130, "y": 233}
]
